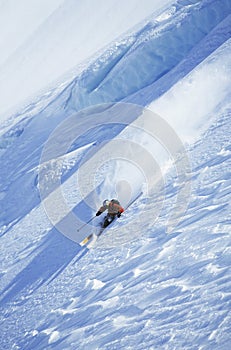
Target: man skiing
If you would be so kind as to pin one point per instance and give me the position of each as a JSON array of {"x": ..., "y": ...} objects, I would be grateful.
[{"x": 114, "y": 209}]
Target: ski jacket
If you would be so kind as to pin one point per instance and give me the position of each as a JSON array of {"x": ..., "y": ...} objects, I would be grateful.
[{"x": 112, "y": 207}]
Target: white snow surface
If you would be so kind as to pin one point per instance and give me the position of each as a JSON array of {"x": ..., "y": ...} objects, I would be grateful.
[
  {"x": 135, "y": 105},
  {"x": 42, "y": 40}
]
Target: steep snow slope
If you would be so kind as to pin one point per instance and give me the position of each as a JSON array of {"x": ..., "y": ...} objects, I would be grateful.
[
  {"x": 159, "y": 290},
  {"x": 18, "y": 177},
  {"x": 43, "y": 40}
]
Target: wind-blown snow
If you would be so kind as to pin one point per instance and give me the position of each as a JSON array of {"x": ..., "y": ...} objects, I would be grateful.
[
  {"x": 159, "y": 277},
  {"x": 202, "y": 91}
]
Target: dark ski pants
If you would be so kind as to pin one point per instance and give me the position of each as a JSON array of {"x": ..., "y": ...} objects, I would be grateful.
[{"x": 108, "y": 219}]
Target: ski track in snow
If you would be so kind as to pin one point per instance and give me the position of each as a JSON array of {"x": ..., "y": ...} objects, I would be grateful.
[{"x": 158, "y": 290}]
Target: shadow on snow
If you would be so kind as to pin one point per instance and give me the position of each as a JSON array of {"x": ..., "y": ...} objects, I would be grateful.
[{"x": 53, "y": 256}]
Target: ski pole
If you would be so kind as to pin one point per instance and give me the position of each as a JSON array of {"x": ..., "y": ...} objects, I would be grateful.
[
  {"x": 129, "y": 204},
  {"x": 85, "y": 224}
]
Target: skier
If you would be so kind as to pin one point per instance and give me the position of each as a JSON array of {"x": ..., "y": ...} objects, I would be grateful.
[{"x": 114, "y": 209}]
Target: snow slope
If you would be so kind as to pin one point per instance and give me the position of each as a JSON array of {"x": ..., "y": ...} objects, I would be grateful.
[
  {"x": 159, "y": 277},
  {"x": 42, "y": 40}
]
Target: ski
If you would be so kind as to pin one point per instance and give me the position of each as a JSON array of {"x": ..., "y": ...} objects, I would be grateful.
[{"x": 86, "y": 240}]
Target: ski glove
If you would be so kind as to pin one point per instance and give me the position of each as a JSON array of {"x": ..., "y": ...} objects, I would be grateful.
[
  {"x": 118, "y": 215},
  {"x": 98, "y": 213}
]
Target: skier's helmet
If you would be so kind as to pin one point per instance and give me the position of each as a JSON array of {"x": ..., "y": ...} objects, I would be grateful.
[
  {"x": 115, "y": 201},
  {"x": 106, "y": 202}
]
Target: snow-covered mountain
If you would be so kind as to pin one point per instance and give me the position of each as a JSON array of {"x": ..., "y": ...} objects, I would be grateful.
[
  {"x": 41, "y": 40},
  {"x": 104, "y": 99}
]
